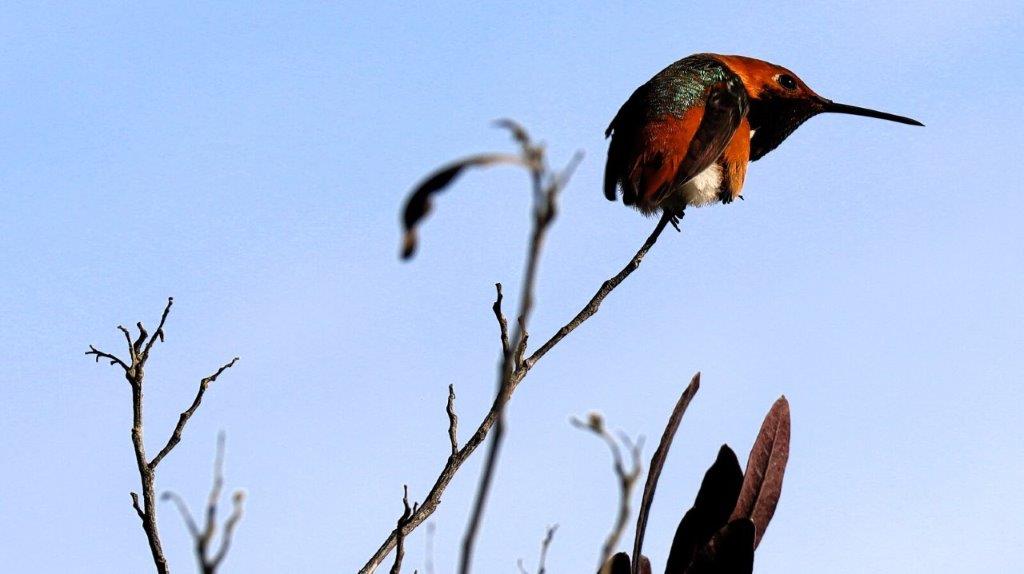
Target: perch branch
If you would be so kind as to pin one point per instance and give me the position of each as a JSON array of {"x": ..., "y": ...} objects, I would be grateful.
[
  {"x": 606, "y": 288},
  {"x": 455, "y": 461}
]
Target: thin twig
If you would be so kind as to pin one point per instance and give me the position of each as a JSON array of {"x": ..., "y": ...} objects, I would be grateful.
[
  {"x": 453, "y": 421},
  {"x": 544, "y": 546},
  {"x": 159, "y": 334},
  {"x": 101, "y": 355},
  {"x": 400, "y": 545},
  {"x": 183, "y": 418},
  {"x": 202, "y": 540},
  {"x": 502, "y": 321},
  {"x": 626, "y": 478}
]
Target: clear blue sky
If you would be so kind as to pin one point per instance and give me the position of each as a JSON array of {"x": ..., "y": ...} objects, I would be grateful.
[{"x": 250, "y": 161}]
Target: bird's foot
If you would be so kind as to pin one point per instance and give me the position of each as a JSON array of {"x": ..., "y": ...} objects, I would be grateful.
[
  {"x": 725, "y": 197},
  {"x": 675, "y": 219}
]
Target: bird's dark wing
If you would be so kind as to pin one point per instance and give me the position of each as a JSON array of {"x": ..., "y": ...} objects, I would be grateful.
[
  {"x": 624, "y": 130},
  {"x": 723, "y": 111}
]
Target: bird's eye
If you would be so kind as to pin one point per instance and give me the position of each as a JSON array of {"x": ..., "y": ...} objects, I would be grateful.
[{"x": 787, "y": 81}]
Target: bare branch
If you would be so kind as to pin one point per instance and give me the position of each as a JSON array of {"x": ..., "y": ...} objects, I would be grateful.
[
  {"x": 237, "y": 499},
  {"x": 159, "y": 334},
  {"x": 453, "y": 421},
  {"x": 549, "y": 535},
  {"x": 113, "y": 360},
  {"x": 502, "y": 321},
  {"x": 137, "y": 345},
  {"x": 131, "y": 345},
  {"x": 202, "y": 540},
  {"x": 135, "y": 505},
  {"x": 186, "y": 516},
  {"x": 606, "y": 288},
  {"x": 400, "y": 544},
  {"x": 626, "y": 478},
  {"x": 138, "y": 350},
  {"x": 544, "y": 546},
  {"x": 214, "y": 496},
  {"x": 521, "y": 347},
  {"x": 187, "y": 414}
]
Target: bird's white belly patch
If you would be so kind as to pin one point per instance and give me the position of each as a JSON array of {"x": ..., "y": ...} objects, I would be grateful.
[{"x": 703, "y": 189}]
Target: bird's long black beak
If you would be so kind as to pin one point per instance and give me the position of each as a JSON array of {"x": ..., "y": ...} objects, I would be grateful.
[{"x": 832, "y": 107}]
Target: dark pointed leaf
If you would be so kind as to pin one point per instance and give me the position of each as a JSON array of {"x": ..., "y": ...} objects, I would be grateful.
[
  {"x": 657, "y": 463},
  {"x": 617, "y": 564},
  {"x": 730, "y": 551},
  {"x": 762, "y": 482},
  {"x": 419, "y": 203},
  {"x": 715, "y": 501}
]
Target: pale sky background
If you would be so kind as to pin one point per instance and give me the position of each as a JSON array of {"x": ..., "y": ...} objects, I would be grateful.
[{"x": 251, "y": 161}]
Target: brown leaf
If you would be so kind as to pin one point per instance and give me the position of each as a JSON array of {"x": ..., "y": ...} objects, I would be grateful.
[
  {"x": 657, "y": 463},
  {"x": 762, "y": 482},
  {"x": 418, "y": 205},
  {"x": 730, "y": 551},
  {"x": 715, "y": 501}
]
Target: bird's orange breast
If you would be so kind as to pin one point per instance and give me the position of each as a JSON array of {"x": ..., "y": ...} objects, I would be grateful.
[{"x": 734, "y": 160}]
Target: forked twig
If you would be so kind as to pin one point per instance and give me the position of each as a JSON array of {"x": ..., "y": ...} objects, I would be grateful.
[
  {"x": 134, "y": 373},
  {"x": 203, "y": 539},
  {"x": 627, "y": 478}
]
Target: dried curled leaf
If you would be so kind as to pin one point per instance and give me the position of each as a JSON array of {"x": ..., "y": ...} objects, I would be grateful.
[
  {"x": 657, "y": 463},
  {"x": 766, "y": 466},
  {"x": 419, "y": 203},
  {"x": 730, "y": 551},
  {"x": 711, "y": 509}
]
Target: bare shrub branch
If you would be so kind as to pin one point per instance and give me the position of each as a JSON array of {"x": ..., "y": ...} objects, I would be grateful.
[
  {"x": 183, "y": 418},
  {"x": 400, "y": 544},
  {"x": 134, "y": 373},
  {"x": 202, "y": 540},
  {"x": 627, "y": 478},
  {"x": 453, "y": 421}
]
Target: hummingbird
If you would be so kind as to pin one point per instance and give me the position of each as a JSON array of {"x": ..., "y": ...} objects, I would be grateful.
[{"x": 686, "y": 136}]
